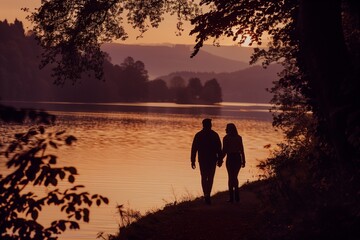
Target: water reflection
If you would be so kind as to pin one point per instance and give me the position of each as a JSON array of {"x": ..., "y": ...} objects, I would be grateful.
[
  {"x": 242, "y": 110},
  {"x": 143, "y": 158}
]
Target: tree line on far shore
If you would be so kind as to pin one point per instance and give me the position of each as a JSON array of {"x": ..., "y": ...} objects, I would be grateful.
[{"x": 21, "y": 79}]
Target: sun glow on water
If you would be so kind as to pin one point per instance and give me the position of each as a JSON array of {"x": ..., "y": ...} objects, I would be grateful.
[{"x": 142, "y": 159}]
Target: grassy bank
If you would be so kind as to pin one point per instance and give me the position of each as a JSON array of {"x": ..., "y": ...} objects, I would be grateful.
[
  {"x": 196, "y": 220},
  {"x": 261, "y": 214}
]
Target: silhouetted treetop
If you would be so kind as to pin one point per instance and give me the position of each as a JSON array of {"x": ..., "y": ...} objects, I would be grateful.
[
  {"x": 71, "y": 32},
  {"x": 132, "y": 80},
  {"x": 243, "y": 19}
]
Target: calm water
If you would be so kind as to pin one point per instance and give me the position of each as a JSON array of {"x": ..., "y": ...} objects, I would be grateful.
[{"x": 139, "y": 154}]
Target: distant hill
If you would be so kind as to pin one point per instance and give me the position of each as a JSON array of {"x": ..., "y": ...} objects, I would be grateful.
[
  {"x": 230, "y": 52},
  {"x": 164, "y": 59},
  {"x": 22, "y": 80},
  {"x": 248, "y": 85}
]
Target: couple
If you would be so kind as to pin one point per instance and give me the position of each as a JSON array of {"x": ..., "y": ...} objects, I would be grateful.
[{"x": 208, "y": 146}]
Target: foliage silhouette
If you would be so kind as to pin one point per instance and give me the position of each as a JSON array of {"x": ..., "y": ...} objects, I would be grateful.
[
  {"x": 299, "y": 39},
  {"x": 211, "y": 92},
  {"x": 316, "y": 169},
  {"x": 194, "y": 92},
  {"x": 194, "y": 87},
  {"x": 73, "y": 44},
  {"x": 33, "y": 167},
  {"x": 158, "y": 91},
  {"x": 133, "y": 80}
]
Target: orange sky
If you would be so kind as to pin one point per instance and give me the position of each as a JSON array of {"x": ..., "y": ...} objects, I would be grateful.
[{"x": 11, "y": 9}]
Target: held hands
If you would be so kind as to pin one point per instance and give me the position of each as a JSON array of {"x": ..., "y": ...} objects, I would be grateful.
[{"x": 220, "y": 160}]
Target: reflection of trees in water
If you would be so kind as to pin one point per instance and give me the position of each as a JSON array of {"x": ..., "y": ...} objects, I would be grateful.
[
  {"x": 244, "y": 112},
  {"x": 196, "y": 110},
  {"x": 172, "y": 110}
]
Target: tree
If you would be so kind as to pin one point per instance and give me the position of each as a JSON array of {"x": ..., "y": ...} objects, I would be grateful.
[
  {"x": 194, "y": 88},
  {"x": 211, "y": 92},
  {"x": 177, "y": 82},
  {"x": 133, "y": 80},
  {"x": 177, "y": 90},
  {"x": 333, "y": 80},
  {"x": 158, "y": 90}
]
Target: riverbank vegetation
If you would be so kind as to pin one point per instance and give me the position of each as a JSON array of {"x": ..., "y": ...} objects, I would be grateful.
[{"x": 31, "y": 163}]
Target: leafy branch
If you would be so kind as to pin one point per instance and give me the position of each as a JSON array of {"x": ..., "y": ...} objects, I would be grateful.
[{"x": 33, "y": 166}]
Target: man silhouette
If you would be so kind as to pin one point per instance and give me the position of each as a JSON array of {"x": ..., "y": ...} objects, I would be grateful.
[{"x": 208, "y": 146}]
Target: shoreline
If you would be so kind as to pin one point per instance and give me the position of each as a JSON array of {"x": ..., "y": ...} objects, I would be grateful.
[{"x": 193, "y": 219}]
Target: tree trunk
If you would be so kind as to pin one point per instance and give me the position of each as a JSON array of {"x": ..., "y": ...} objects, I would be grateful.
[{"x": 325, "y": 60}]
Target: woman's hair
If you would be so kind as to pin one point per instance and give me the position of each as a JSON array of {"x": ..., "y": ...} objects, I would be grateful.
[{"x": 231, "y": 129}]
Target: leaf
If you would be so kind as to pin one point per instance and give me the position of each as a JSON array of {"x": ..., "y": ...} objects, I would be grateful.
[
  {"x": 70, "y": 139},
  {"x": 34, "y": 215},
  {"x": 62, "y": 175},
  {"x": 42, "y": 129},
  {"x": 70, "y": 209},
  {"x": 46, "y": 183},
  {"x": 32, "y": 132},
  {"x": 71, "y": 179},
  {"x": 86, "y": 218},
  {"x": 19, "y": 135},
  {"x": 39, "y": 180},
  {"x": 77, "y": 215},
  {"x": 72, "y": 170},
  {"x": 54, "y": 181},
  {"x": 74, "y": 225},
  {"x": 12, "y": 147},
  {"x": 23, "y": 182},
  {"x": 98, "y": 202},
  {"x": 267, "y": 146},
  {"x": 76, "y": 187},
  {"x": 105, "y": 200},
  {"x": 31, "y": 173},
  {"x": 86, "y": 214},
  {"x": 62, "y": 225},
  {"x": 87, "y": 201},
  {"x": 54, "y": 145},
  {"x": 44, "y": 146},
  {"x": 52, "y": 159},
  {"x": 60, "y": 133}
]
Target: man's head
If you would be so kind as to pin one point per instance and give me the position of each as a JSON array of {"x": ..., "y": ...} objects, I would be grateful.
[{"x": 206, "y": 123}]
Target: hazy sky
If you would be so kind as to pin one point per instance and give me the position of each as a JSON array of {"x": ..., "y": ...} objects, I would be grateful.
[{"x": 11, "y": 9}]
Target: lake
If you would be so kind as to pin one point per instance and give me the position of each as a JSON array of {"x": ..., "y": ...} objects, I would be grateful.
[{"x": 139, "y": 154}]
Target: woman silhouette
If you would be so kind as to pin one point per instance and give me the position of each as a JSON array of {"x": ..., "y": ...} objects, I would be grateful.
[{"x": 234, "y": 150}]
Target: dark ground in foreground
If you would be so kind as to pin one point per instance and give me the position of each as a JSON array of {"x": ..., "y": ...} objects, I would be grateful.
[
  {"x": 196, "y": 220},
  {"x": 260, "y": 214}
]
